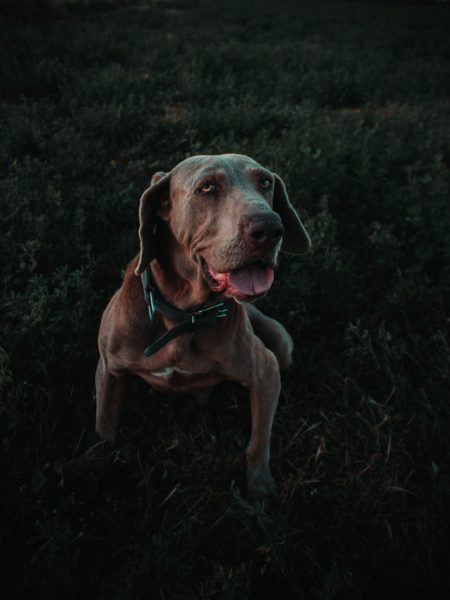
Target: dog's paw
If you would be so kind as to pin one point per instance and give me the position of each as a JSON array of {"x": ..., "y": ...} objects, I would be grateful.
[
  {"x": 261, "y": 487},
  {"x": 97, "y": 459}
]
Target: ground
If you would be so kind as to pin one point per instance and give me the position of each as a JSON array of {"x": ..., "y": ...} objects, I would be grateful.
[{"x": 349, "y": 103}]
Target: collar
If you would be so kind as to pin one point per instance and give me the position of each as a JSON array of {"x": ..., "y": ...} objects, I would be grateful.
[{"x": 189, "y": 319}]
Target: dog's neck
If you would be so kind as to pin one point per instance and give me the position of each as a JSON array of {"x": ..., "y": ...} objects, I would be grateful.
[{"x": 176, "y": 275}]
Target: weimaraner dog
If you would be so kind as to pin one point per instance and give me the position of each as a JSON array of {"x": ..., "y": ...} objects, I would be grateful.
[{"x": 210, "y": 234}]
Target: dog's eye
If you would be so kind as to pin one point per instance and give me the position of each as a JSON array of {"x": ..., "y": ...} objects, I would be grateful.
[
  {"x": 208, "y": 188},
  {"x": 265, "y": 183}
]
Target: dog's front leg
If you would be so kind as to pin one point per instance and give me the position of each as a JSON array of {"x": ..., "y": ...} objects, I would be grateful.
[
  {"x": 110, "y": 394},
  {"x": 264, "y": 391}
]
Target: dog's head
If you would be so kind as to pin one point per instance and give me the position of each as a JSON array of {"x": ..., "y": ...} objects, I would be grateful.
[{"x": 230, "y": 215}]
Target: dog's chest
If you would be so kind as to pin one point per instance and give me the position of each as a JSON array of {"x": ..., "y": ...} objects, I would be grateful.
[
  {"x": 169, "y": 371},
  {"x": 176, "y": 379},
  {"x": 180, "y": 367}
]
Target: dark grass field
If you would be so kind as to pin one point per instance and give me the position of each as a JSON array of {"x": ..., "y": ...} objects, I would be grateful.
[{"x": 349, "y": 102}]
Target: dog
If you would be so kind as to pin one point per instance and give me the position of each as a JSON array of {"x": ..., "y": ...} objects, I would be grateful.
[{"x": 210, "y": 234}]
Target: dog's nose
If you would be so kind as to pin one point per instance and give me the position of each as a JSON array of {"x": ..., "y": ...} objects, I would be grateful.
[{"x": 263, "y": 232}]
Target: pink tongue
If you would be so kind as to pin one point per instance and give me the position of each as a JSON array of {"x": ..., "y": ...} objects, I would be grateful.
[{"x": 252, "y": 280}]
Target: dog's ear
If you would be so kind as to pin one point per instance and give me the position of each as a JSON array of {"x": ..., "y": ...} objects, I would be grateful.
[
  {"x": 154, "y": 202},
  {"x": 295, "y": 239}
]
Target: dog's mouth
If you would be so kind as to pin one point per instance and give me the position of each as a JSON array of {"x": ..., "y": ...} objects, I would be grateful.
[{"x": 245, "y": 283}]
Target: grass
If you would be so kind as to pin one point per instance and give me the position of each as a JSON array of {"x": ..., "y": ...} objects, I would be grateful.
[{"x": 349, "y": 103}]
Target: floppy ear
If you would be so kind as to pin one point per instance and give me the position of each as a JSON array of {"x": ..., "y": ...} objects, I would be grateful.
[
  {"x": 154, "y": 198},
  {"x": 295, "y": 239}
]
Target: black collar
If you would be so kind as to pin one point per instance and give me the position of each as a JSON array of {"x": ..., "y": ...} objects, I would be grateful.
[{"x": 189, "y": 319}]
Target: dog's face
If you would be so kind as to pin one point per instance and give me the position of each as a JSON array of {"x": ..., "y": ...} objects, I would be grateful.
[{"x": 229, "y": 214}]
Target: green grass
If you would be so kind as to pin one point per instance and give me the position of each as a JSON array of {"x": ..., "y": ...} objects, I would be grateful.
[{"x": 349, "y": 103}]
